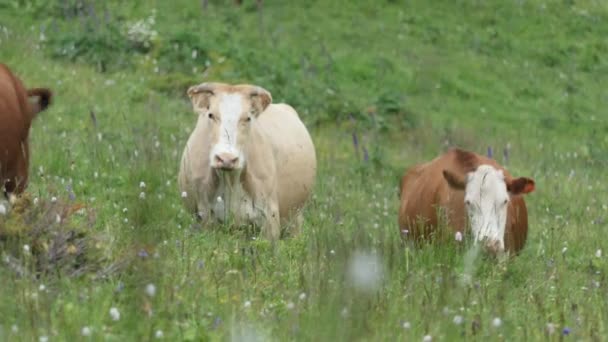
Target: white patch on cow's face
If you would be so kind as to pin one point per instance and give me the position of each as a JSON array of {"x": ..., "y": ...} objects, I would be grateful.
[
  {"x": 228, "y": 116},
  {"x": 486, "y": 200}
]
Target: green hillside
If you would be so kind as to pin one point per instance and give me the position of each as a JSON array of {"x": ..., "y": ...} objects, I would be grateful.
[{"x": 404, "y": 79}]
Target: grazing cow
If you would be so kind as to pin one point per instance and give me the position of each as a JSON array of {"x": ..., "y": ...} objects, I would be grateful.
[
  {"x": 460, "y": 185},
  {"x": 246, "y": 158},
  {"x": 17, "y": 110}
]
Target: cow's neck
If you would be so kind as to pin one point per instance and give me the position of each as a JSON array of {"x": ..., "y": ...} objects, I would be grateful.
[{"x": 228, "y": 184}]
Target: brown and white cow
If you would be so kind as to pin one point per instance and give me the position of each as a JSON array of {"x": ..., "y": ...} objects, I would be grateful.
[
  {"x": 246, "y": 158},
  {"x": 18, "y": 107},
  {"x": 466, "y": 188}
]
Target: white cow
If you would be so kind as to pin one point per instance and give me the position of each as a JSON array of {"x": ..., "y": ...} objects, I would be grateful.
[{"x": 246, "y": 158}]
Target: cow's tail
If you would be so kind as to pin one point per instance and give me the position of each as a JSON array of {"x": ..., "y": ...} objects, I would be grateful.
[{"x": 44, "y": 96}]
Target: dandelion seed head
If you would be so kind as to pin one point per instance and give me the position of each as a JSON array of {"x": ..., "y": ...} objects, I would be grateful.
[
  {"x": 365, "y": 271},
  {"x": 496, "y": 322},
  {"x": 150, "y": 290},
  {"x": 85, "y": 331}
]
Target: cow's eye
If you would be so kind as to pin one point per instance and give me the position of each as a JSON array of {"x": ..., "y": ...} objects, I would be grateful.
[
  {"x": 210, "y": 115},
  {"x": 248, "y": 119}
]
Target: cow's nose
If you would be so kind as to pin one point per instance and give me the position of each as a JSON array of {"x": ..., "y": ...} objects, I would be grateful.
[{"x": 226, "y": 161}]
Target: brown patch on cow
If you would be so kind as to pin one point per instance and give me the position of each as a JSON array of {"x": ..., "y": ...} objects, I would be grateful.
[
  {"x": 18, "y": 107},
  {"x": 438, "y": 186}
]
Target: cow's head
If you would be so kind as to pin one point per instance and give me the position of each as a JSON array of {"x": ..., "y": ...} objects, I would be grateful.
[
  {"x": 227, "y": 114},
  {"x": 487, "y": 195}
]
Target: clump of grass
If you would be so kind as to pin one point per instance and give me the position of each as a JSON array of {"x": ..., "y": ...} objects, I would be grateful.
[{"x": 51, "y": 236}]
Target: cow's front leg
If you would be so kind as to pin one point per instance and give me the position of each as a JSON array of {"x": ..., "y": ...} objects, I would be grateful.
[{"x": 271, "y": 229}]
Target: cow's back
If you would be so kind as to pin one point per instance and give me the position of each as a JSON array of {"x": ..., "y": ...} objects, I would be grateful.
[{"x": 295, "y": 156}]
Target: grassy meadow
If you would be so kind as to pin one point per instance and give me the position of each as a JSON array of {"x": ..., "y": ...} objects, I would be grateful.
[{"x": 100, "y": 247}]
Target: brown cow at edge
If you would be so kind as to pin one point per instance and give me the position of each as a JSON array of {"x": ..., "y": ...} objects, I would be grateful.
[
  {"x": 16, "y": 114},
  {"x": 466, "y": 188}
]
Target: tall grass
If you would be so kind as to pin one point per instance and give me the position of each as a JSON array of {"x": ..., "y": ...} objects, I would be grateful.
[{"x": 405, "y": 80}]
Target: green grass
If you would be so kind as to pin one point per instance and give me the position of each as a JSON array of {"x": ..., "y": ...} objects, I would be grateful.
[{"x": 526, "y": 74}]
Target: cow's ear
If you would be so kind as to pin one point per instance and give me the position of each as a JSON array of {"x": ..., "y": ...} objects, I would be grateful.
[
  {"x": 521, "y": 185},
  {"x": 260, "y": 99},
  {"x": 200, "y": 95},
  {"x": 456, "y": 181}
]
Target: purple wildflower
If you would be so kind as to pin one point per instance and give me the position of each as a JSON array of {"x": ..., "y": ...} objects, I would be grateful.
[
  {"x": 71, "y": 194},
  {"x": 142, "y": 253},
  {"x": 216, "y": 322},
  {"x": 365, "y": 154},
  {"x": 505, "y": 154},
  {"x": 566, "y": 331},
  {"x": 490, "y": 152},
  {"x": 355, "y": 141}
]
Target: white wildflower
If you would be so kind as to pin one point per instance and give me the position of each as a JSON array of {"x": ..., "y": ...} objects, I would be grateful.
[
  {"x": 458, "y": 236},
  {"x": 598, "y": 253},
  {"x": 458, "y": 320},
  {"x": 159, "y": 334},
  {"x": 150, "y": 290},
  {"x": 115, "y": 314}
]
